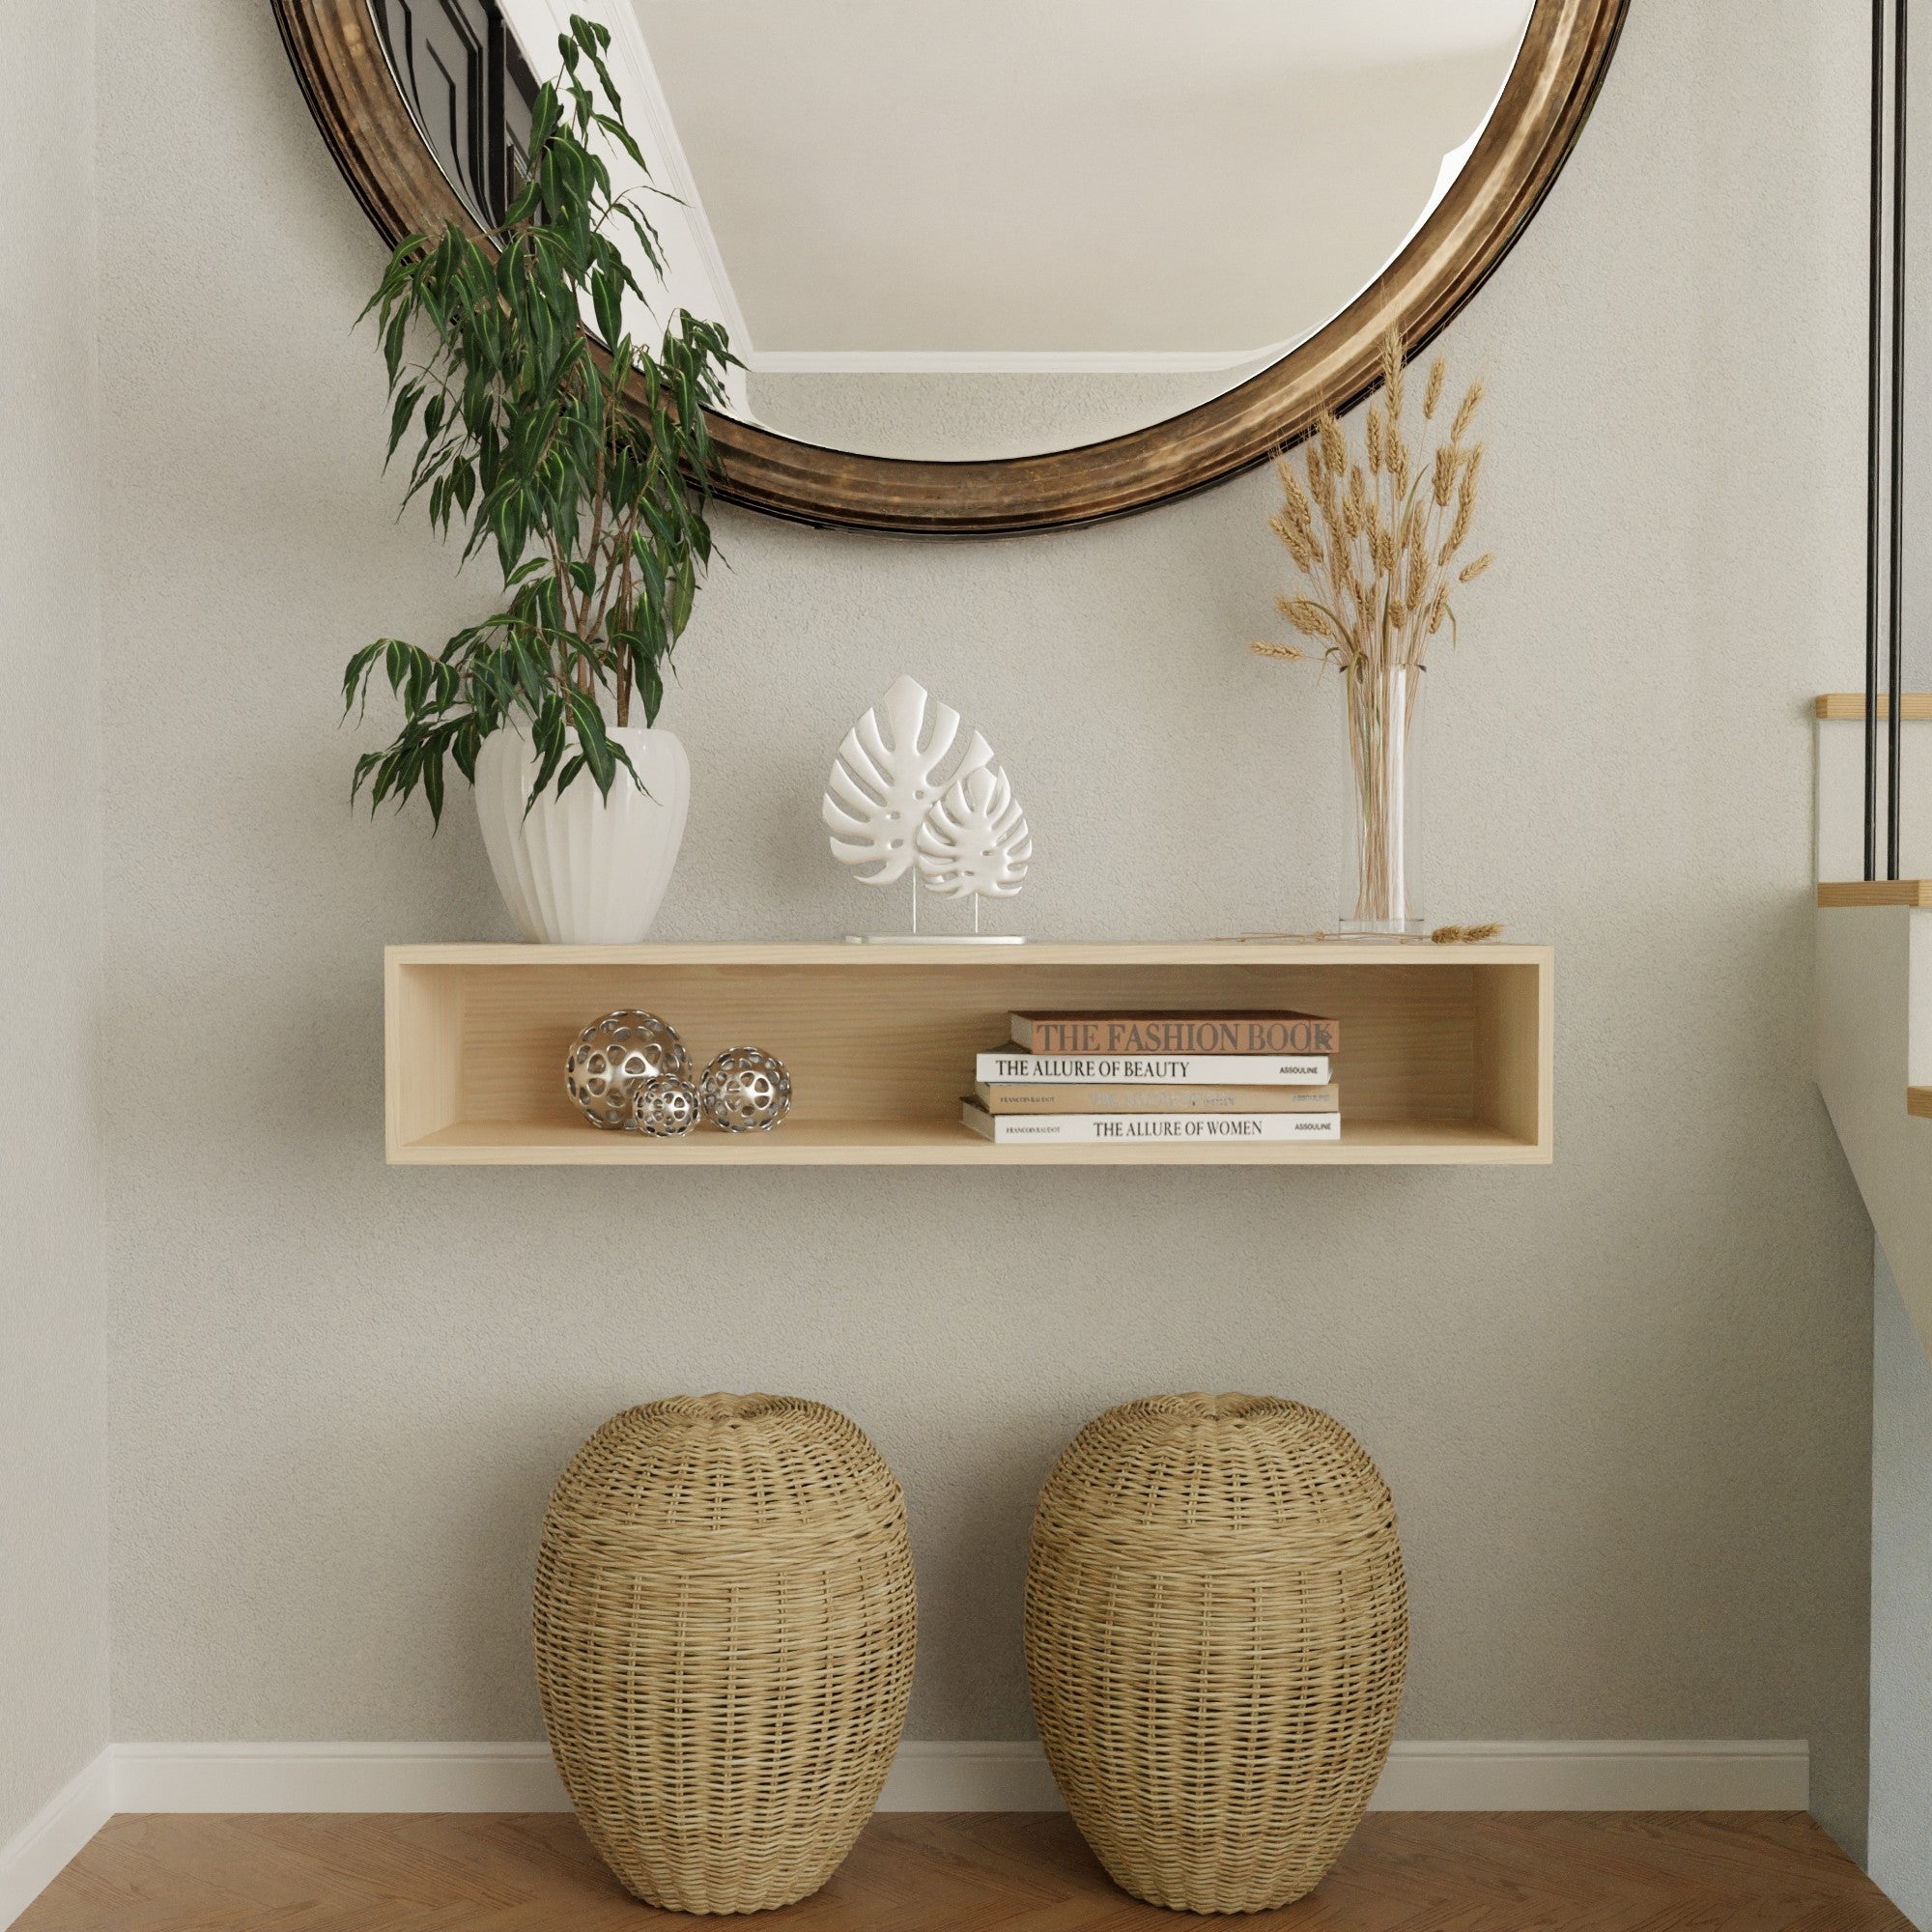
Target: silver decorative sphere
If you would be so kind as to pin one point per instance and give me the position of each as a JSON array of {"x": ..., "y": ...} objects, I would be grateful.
[
  {"x": 667, "y": 1107},
  {"x": 746, "y": 1091},
  {"x": 612, "y": 1059}
]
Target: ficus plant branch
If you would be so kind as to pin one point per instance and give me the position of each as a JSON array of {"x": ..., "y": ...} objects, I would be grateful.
[{"x": 585, "y": 470}]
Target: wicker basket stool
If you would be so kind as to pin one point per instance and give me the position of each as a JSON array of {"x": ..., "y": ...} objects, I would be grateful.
[
  {"x": 1216, "y": 1631},
  {"x": 724, "y": 1633}
]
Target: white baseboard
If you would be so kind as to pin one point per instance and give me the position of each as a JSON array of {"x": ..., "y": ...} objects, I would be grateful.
[
  {"x": 30, "y": 1862},
  {"x": 970, "y": 1778},
  {"x": 1564, "y": 1774},
  {"x": 1644, "y": 1774},
  {"x": 336, "y": 1777}
]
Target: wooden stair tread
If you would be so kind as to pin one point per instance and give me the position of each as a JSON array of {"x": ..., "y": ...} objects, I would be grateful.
[
  {"x": 1875, "y": 892},
  {"x": 1918, "y": 1101},
  {"x": 1918, "y": 705}
]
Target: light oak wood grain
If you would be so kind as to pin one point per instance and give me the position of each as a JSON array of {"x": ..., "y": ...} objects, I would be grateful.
[
  {"x": 1853, "y": 892},
  {"x": 1919, "y": 1102},
  {"x": 1446, "y": 1051},
  {"x": 1514, "y": 1051},
  {"x": 1518, "y": 1871},
  {"x": 1913, "y": 704},
  {"x": 946, "y": 1144},
  {"x": 422, "y": 1030}
]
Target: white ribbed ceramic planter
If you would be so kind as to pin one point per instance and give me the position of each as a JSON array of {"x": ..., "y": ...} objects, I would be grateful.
[{"x": 580, "y": 870}]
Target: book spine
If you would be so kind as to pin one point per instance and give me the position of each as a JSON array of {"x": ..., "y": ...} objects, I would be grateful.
[
  {"x": 1074, "y": 1097},
  {"x": 1084, "y": 1033},
  {"x": 1210, "y": 1070},
  {"x": 1151, "y": 1129}
]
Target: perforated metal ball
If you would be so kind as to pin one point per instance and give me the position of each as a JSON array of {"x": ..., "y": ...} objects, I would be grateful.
[
  {"x": 667, "y": 1107},
  {"x": 746, "y": 1091},
  {"x": 612, "y": 1059}
]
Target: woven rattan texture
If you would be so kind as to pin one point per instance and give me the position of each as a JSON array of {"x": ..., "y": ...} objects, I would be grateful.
[
  {"x": 1217, "y": 1632},
  {"x": 724, "y": 1632}
]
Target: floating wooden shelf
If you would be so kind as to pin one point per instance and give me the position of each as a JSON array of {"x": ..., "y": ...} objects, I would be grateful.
[{"x": 1445, "y": 1050}]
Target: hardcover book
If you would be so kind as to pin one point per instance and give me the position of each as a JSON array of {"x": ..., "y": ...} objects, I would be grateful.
[
  {"x": 1275, "y": 1033},
  {"x": 1198, "y": 1129},
  {"x": 1193, "y": 1070},
  {"x": 1074, "y": 1096}
]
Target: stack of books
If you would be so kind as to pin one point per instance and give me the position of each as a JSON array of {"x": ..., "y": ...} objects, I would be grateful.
[{"x": 1142, "y": 1076}]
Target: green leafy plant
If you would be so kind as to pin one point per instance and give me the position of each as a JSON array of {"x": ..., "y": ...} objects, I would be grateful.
[{"x": 585, "y": 466}]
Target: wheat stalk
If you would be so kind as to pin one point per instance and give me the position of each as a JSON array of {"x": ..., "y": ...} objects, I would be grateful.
[
  {"x": 1465, "y": 413},
  {"x": 1393, "y": 364},
  {"x": 1465, "y": 506}
]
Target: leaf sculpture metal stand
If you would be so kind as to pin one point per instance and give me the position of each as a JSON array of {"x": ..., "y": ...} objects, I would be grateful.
[{"x": 897, "y": 805}]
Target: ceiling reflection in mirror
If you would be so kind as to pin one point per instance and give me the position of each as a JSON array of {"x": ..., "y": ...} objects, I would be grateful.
[{"x": 961, "y": 229}]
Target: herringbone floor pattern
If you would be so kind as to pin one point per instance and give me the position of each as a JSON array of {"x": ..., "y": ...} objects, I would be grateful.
[{"x": 1610, "y": 1871}]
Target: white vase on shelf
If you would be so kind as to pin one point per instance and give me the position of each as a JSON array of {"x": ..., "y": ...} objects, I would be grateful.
[{"x": 582, "y": 869}]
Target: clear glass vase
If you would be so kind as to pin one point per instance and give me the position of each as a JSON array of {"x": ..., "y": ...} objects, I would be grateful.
[{"x": 1381, "y": 898}]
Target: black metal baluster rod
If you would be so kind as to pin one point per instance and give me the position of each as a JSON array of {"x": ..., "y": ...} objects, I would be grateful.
[
  {"x": 1896, "y": 667},
  {"x": 1874, "y": 403}
]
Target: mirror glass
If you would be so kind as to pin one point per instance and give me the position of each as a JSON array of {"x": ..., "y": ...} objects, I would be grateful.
[{"x": 964, "y": 229}]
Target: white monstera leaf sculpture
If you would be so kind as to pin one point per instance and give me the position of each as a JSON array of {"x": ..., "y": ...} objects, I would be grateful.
[
  {"x": 887, "y": 777},
  {"x": 975, "y": 840}
]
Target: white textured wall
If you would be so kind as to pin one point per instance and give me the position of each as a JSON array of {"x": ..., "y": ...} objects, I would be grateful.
[
  {"x": 1621, "y": 1401},
  {"x": 1900, "y": 1850},
  {"x": 53, "y": 1561}
]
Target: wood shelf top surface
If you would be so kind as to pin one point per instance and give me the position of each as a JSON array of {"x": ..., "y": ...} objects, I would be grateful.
[
  {"x": 939, "y": 1143},
  {"x": 1225, "y": 952}
]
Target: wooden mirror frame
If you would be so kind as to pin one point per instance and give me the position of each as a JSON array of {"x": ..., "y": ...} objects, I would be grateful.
[{"x": 1566, "y": 51}]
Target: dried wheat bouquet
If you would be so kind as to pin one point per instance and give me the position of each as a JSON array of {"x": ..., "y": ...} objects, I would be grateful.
[{"x": 1378, "y": 537}]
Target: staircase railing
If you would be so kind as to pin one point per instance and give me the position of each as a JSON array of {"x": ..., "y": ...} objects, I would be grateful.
[{"x": 1884, "y": 497}]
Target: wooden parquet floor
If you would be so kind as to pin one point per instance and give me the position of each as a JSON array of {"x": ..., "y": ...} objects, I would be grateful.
[{"x": 1606, "y": 1872}]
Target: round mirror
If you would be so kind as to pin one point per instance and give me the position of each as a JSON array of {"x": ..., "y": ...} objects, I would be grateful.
[{"x": 1001, "y": 264}]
